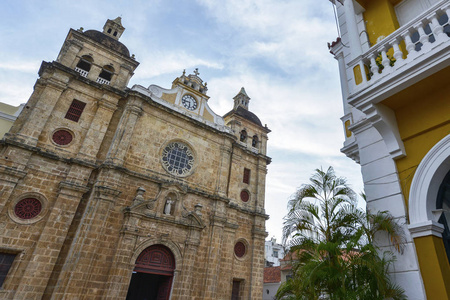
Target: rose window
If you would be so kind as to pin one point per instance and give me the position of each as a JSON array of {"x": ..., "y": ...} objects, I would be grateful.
[
  {"x": 28, "y": 208},
  {"x": 178, "y": 159},
  {"x": 239, "y": 249},
  {"x": 245, "y": 196},
  {"x": 62, "y": 137}
]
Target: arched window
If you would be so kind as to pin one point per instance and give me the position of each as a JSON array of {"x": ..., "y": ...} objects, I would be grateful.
[
  {"x": 84, "y": 65},
  {"x": 255, "y": 141},
  {"x": 105, "y": 75},
  {"x": 243, "y": 136},
  {"x": 443, "y": 202}
]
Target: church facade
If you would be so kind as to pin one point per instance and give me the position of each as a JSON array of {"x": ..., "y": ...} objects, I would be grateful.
[{"x": 109, "y": 192}]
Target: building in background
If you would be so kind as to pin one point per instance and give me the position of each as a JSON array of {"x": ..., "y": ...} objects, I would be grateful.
[
  {"x": 394, "y": 63},
  {"x": 109, "y": 192},
  {"x": 8, "y": 114},
  {"x": 272, "y": 281},
  {"x": 273, "y": 253}
]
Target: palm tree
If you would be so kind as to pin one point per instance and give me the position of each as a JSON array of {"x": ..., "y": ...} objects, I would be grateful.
[{"x": 333, "y": 243}]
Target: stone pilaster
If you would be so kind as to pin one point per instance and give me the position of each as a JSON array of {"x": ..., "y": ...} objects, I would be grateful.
[
  {"x": 213, "y": 262},
  {"x": 97, "y": 129},
  {"x": 223, "y": 170},
  {"x": 90, "y": 242},
  {"x": 257, "y": 264},
  {"x": 33, "y": 126},
  {"x": 32, "y": 285},
  {"x": 9, "y": 177},
  {"x": 124, "y": 132}
]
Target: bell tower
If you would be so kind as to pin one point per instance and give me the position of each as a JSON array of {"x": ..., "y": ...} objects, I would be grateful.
[{"x": 114, "y": 28}]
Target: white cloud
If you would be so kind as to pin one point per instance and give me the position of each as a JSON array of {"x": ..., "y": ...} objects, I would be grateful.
[{"x": 158, "y": 63}]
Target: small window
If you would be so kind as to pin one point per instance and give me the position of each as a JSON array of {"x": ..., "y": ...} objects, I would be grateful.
[
  {"x": 275, "y": 253},
  {"x": 115, "y": 33},
  {"x": 75, "y": 110},
  {"x": 243, "y": 136},
  {"x": 84, "y": 65},
  {"x": 6, "y": 260},
  {"x": 105, "y": 75},
  {"x": 109, "y": 30},
  {"x": 246, "y": 178},
  {"x": 236, "y": 290},
  {"x": 255, "y": 141}
]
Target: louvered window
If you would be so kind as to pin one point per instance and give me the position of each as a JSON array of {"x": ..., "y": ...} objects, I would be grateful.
[
  {"x": 246, "y": 176},
  {"x": 75, "y": 110}
]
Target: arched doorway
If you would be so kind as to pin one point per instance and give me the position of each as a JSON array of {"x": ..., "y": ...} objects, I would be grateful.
[
  {"x": 153, "y": 274},
  {"x": 443, "y": 202}
]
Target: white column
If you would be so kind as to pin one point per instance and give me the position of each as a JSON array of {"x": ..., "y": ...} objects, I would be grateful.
[{"x": 352, "y": 28}]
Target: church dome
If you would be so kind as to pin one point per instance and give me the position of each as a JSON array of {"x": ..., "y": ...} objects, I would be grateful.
[
  {"x": 248, "y": 115},
  {"x": 108, "y": 42}
]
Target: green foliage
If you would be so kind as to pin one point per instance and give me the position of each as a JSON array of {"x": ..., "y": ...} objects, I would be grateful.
[{"x": 331, "y": 242}]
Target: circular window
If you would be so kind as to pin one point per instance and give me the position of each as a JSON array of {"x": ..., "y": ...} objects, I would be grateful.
[
  {"x": 28, "y": 208},
  {"x": 178, "y": 159},
  {"x": 239, "y": 249},
  {"x": 245, "y": 196},
  {"x": 62, "y": 137}
]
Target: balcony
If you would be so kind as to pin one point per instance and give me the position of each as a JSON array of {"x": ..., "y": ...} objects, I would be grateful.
[
  {"x": 82, "y": 72},
  {"x": 103, "y": 81},
  {"x": 413, "y": 52}
]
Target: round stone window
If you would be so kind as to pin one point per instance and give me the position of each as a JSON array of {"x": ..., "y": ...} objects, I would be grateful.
[
  {"x": 62, "y": 137},
  {"x": 28, "y": 208},
  {"x": 239, "y": 249},
  {"x": 178, "y": 159},
  {"x": 245, "y": 196}
]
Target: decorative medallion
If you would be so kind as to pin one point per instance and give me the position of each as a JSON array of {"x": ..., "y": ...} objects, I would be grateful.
[
  {"x": 28, "y": 208},
  {"x": 189, "y": 102},
  {"x": 239, "y": 249},
  {"x": 245, "y": 196},
  {"x": 62, "y": 137},
  {"x": 178, "y": 159}
]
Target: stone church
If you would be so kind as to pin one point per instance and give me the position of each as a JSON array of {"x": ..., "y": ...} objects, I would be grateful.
[{"x": 110, "y": 192}]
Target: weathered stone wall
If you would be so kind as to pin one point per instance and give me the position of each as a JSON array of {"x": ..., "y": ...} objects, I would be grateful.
[{"x": 104, "y": 194}]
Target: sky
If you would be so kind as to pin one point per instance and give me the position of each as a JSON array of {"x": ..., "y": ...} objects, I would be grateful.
[{"x": 275, "y": 49}]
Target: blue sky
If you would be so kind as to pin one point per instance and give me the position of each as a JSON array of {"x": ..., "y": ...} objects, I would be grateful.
[{"x": 276, "y": 49}]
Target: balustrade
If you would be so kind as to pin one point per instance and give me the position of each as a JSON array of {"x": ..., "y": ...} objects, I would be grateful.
[
  {"x": 82, "y": 72},
  {"x": 411, "y": 40},
  {"x": 103, "y": 81}
]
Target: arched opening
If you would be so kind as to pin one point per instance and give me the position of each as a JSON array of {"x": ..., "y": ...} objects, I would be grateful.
[
  {"x": 443, "y": 202},
  {"x": 243, "y": 136},
  {"x": 153, "y": 274},
  {"x": 84, "y": 65},
  {"x": 105, "y": 75},
  {"x": 255, "y": 141}
]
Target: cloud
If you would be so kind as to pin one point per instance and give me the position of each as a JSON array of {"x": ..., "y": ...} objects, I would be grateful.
[{"x": 161, "y": 62}]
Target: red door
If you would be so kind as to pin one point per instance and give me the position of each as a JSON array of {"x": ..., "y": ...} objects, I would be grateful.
[{"x": 153, "y": 274}]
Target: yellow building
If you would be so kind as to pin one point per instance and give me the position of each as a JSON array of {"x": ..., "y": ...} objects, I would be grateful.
[
  {"x": 110, "y": 192},
  {"x": 8, "y": 114},
  {"x": 394, "y": 63}
]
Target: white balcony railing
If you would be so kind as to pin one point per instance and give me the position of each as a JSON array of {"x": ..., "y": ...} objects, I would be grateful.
[
  {"x": 103, "y": 81},
  {"x": 82, "y": 72},
  {"x": 427, "y": 32}
]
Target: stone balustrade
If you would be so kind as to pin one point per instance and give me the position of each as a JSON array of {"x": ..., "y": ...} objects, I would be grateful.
[
  {"x": 420, "y": 36},
  {"x": 82, "y": 72},
  {"x": 103, "y": 81}
]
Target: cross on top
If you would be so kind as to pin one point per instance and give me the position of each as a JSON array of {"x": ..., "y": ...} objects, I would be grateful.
[{"x": 196, "y": 72}]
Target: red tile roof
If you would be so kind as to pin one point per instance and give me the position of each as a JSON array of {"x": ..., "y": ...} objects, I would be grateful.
[{"x": 272, "y": 274}]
